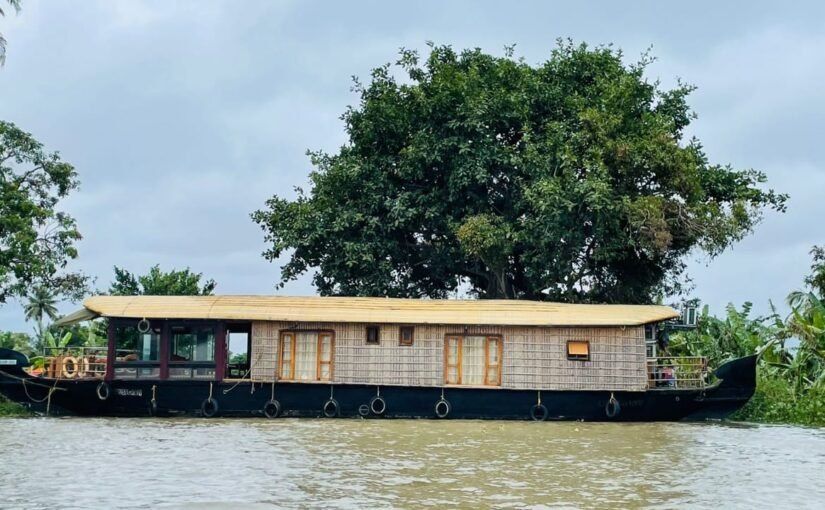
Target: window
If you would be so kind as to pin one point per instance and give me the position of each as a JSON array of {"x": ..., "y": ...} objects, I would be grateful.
[
  {"x": 578, "y": 350},
  {"x": 192, "y": 344},
  {"x": 137, "y": 354},
  {"x": 650, "y": 341},
  {"x": 192, "y": 352},
  {"x": 132, "y": 345},
  {"x": 373, "y": 335},
  {"x": 306, "y": 356},
  {"x": 473, "y": 360},
  {"x": 406, "y": 334},
  {"x": 238, "y": 347}
]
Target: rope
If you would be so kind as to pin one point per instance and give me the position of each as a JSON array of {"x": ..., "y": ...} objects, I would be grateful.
[
  {"x": 273, "y": 391},
  {"x": 47, "y": 398},
  {"x": 378, "y": 389},
  {"x": 154, "y": 390},
  {"x": 539, "y": 398},
  {"x": 10, "y": 376},
  {"x": 210, "y": 392},
  {"x": 249, "y": 371}
]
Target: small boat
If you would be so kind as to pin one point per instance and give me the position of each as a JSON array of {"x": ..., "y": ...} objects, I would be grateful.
[{"x": 376, "y": 358}]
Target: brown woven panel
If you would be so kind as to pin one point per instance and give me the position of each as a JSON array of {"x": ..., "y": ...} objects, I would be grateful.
[{"x": 533, "y": 357}]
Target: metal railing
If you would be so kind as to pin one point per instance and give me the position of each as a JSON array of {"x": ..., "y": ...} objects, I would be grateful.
[
  {"x": 677, "y": 372},
  {"x": 73, "y": 363}
]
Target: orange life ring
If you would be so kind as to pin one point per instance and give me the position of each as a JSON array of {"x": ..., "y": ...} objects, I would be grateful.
[
  {"x": 83, "y": 367},
  {"x": 70, "y": 374}
]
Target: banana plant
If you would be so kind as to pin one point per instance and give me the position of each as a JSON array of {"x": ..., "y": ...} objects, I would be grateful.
[{"x": 52, "y": 346}]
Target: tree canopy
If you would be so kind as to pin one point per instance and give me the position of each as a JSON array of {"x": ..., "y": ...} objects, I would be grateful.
[
  {"x": 571, "y": 180},
  {"x": 36, "y": 240},
  {"x": 161, "y": 283}
]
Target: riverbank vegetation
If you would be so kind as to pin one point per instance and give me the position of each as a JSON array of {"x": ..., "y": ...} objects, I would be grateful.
[
  {"x": 10, "y": 409},
  {"x": 791, "y": 374}
]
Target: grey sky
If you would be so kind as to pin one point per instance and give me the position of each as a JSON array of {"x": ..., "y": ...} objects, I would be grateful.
[{"x": 183, "y": 117}]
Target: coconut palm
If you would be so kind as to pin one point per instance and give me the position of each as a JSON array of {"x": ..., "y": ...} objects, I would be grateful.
[
  {"x": 16, "y": 5},
  {"x": 807, "y": 323},
  {"x": 42, "y": 303}
]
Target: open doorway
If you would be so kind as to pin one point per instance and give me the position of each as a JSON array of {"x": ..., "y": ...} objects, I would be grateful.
[{"x": 239, "y": 349}]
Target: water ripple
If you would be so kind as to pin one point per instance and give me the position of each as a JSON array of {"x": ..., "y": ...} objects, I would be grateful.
[{"x": 353, "y": 464}]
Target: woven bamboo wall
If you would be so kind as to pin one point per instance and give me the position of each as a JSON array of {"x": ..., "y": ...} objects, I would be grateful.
[{"x": 533, "y": 357}]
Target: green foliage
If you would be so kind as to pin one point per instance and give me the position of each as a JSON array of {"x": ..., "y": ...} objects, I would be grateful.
[
  {"x": 791, "y": 385},
  {"x": 36, "y": 240},
  {"x": 16, "y": 5},
  {"x": 816, "y": 280},
  {"x": 40, "y": 303},
  {"x": 238, "y": 359},
  {"x": 776, "y": 401},
  {"x": 20, "y": 342},
  {"x": 11, "y": 409},
  {"x": 570, "y": 180},
  {"x": 160, "y": 283},
  {"x": 734, "y": 336}
]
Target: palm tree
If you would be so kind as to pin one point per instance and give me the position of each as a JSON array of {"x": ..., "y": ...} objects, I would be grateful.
[
  {"x": 42, "y": 303},
  {"x": 807, "y": 323},
  {"x": 16, "y": 5}
]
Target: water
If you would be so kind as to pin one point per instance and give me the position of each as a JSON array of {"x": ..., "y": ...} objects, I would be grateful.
[{"x": 353, "y": 464}]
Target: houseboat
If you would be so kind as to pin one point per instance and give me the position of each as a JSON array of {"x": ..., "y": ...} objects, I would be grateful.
[{"x": 376, "y": 358}]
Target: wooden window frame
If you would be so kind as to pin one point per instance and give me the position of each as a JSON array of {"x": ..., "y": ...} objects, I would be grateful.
[
  {"x": 377, "y": 335},
  {"x": 460, "y": 354},
  {"x": 293, "y": 333},
  {"x": 401, "y": 336},
  {"x": 578, "y": 357}
]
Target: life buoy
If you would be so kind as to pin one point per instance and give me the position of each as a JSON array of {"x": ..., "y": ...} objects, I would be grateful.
[
  {"x": 272, "y": 409},
  {"x": 70, "y": 361},
  {"x": 364, "y": 410},
  {"x": 331, "y": 408},
  {"x": 209, "y": 408},
  {"x": 442, "y": 408},
  {"x": 539, "y": 412},
  {"x": 103, "y": 391},
  {"x": 378, "y": 405},
  {"x": 84, "y": 367},
  {"x": 143, "y": 326},
  {"x": 612, "y": 408}
]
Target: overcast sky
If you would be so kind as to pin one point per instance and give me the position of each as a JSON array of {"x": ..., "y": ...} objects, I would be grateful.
[{"x": 183, "y": 117}]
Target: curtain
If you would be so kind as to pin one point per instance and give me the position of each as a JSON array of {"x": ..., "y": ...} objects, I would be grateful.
[
  {"x": 472, "y": 366},
  {"x": 306, "y": 356},
  {"x": 286, "y": 357},
  {"x": 493, "y": 362},
  {"x": 325, "y": 357},
  {"x": 452, "y": 360}
]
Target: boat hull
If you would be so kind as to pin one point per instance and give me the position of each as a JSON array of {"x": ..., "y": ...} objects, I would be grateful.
[{"x": 136, "y": 398}]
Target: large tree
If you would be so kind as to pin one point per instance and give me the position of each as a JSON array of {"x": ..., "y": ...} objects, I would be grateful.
[
  {"x": 161, "y": 283},
  {"x": 571, "y": 180},
  {"x": 36, "y": 239}
]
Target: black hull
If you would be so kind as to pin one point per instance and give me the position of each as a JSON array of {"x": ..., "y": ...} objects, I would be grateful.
[{"x": 174, "y": 398}]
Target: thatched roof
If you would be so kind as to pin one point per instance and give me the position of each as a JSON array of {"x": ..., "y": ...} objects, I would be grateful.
[{"x": 369, "y": 310}]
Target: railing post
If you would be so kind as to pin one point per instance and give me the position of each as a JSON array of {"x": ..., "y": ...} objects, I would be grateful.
[
  {"x": 220, "y": 351},
  {"x": 163, "y": 352},
  {"x": 111, "y": 353}
]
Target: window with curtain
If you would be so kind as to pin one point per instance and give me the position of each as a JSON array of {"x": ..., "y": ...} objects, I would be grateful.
[
  {"x": 472, "y": 360},
  {"x": 306, "y": 356}
]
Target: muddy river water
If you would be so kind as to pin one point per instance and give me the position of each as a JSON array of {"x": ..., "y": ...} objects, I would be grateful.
[{"x": 355, "y": 464}]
